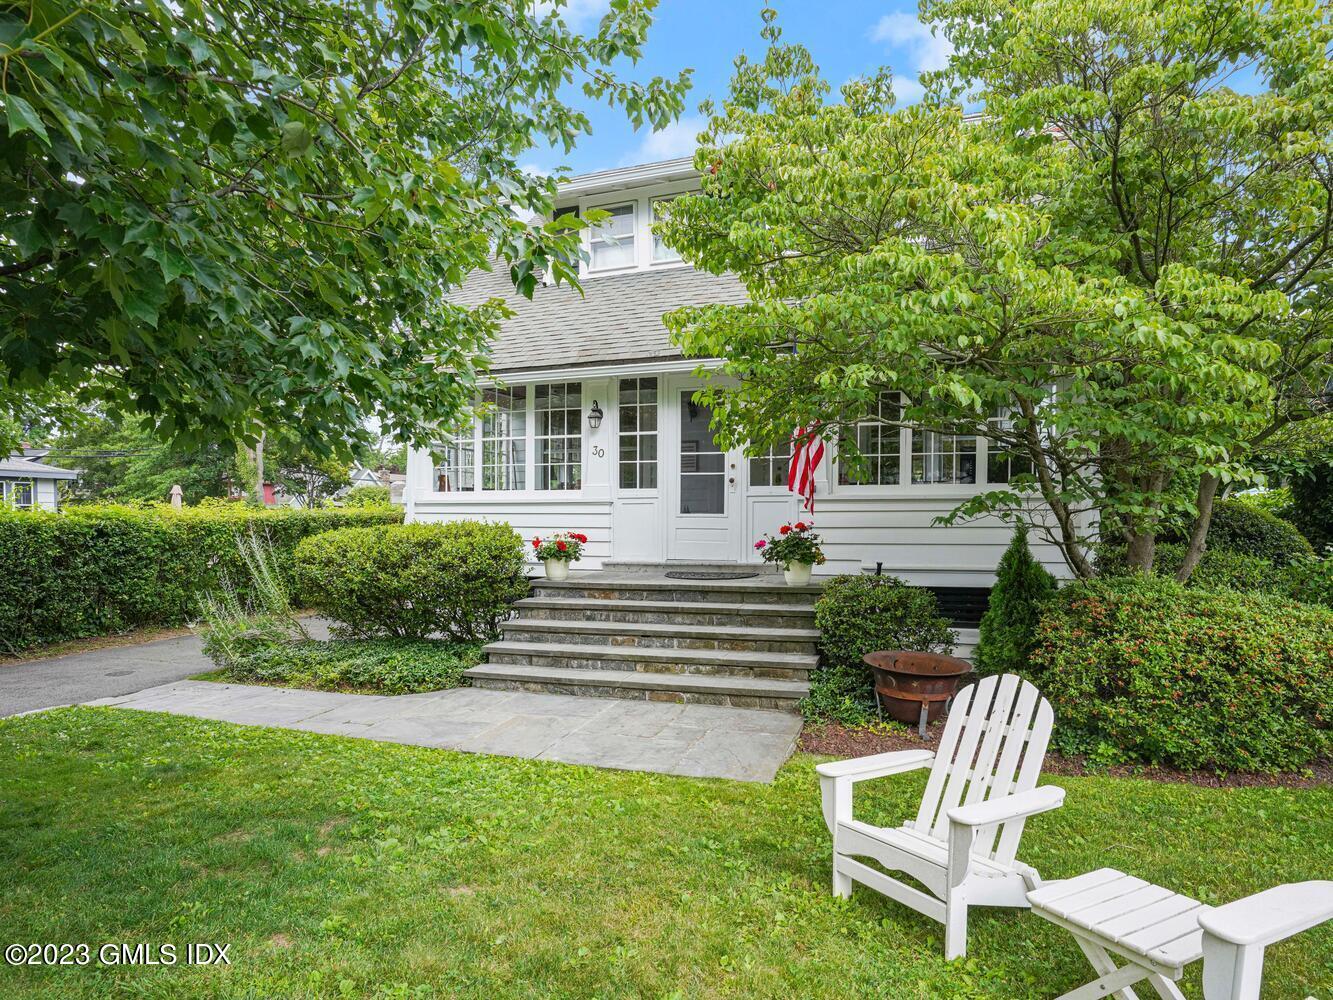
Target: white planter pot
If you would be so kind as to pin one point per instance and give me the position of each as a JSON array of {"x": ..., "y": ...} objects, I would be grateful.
[
  {"x": 556, "y": 569},
  {"x": 797, "y": 574}
]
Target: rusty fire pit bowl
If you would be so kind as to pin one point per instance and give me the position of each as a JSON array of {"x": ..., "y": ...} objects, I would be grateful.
[{"x": 906, "y": 680}]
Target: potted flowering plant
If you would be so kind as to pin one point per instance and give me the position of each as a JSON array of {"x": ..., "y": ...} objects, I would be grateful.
[
  {"x": 558, "y": 551},
  {"x": 796, "y": 548}
]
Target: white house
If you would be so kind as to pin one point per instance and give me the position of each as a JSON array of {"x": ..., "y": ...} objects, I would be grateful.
[
  {"x": 593, "y": 429},
  {"x": 28, "y": 483}
]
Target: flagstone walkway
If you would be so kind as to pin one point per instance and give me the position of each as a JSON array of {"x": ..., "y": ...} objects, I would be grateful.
[{"x": 694, "y": 740}]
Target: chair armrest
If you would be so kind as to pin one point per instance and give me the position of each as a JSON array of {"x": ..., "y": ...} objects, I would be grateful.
[
  {"x": 1007, "y": 807},
  {"x": 837, "y": 777},
  {"x": 879, "y": 765},
  {"x": 1269, "y": 916}
]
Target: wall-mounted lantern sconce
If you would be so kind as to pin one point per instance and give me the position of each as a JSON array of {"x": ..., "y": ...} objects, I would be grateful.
[{"x": 595, "y": 416}]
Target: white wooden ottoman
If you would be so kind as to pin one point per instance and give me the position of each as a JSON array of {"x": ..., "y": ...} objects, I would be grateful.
[{"x": 1156, "y": 931}]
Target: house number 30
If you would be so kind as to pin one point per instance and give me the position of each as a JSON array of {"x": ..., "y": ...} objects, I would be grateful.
[{"x": 598, "y": 452}]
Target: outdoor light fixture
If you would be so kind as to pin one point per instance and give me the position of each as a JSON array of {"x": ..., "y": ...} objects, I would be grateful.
[{"x": 595, "y": 415}]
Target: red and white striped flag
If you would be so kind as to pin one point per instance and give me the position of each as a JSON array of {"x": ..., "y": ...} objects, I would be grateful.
[{"x": 807, "y": 451}]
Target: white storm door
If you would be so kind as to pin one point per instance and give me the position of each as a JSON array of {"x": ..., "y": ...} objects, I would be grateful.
[{"x": 705, "y": 501}]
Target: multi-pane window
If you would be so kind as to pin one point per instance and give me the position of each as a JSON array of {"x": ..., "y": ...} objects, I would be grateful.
[
  {"x": 943, "y": 458},
  {"x": 456, "y": 463},
  {"x": 661, "y": 252},
  {"x": 16, "y": 492},
  {"x": 638, "y": 433},
  {"x": 612, "y": 240},
  {"x": 504, "y": 438},
  {"x": 770, "y": 468},
  {"x": 880, "y": 443},
  {"x": 1003, "y": 466},
  {"x": 558, "y": 410}
]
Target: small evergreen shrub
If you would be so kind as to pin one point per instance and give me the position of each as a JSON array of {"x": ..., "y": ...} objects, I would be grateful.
[
  {"x": 859, "y": 614},
  {"x": 1312, "y": 506},
  {"x": 1009, "y": 626},
  {"x": 412, "y": 581},
  {"x": 1140, "y": 669},
  {"x": 385, "y": 666},
  {"x": 1243, "y": 527}
]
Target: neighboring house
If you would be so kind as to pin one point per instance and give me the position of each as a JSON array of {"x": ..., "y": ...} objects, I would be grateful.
[
  {"x": 361, "y": 476},
  {"x": 29, "y": 483},
  {"x": 592, "y": 429}
]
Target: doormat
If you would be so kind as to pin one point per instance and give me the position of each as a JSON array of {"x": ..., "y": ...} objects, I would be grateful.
[{"x": 709, "y": 574}]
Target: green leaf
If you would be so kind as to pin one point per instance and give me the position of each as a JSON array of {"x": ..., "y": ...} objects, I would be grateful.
[
  {"x": 296, "y": 139},
  {"x": 21, "y": 116}
]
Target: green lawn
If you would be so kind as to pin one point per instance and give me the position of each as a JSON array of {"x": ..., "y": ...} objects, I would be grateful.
[{"x": 336, "y": 867}]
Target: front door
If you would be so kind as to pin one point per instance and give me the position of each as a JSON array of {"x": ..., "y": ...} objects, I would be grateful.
[{"x": 705, "y": 507}]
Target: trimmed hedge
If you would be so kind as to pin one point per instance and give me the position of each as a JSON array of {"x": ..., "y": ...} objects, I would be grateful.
[
  {"x": 1244, "y": 527},
  {"x": 412, "y": 581},
  {"x": 99, "y": 570},
  {"x": 1140, "y": 669}
]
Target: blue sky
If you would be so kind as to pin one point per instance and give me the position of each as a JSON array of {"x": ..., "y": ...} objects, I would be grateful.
[{"x": 846, "y": 37}]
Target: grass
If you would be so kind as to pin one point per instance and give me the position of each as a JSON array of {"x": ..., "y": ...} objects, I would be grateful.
[{"x": 336, "y": 867}]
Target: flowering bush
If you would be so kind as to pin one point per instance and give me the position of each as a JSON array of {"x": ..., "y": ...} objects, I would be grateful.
[
  {"x": 794, "y": 543},
  {"x": 566, "y": 546}
]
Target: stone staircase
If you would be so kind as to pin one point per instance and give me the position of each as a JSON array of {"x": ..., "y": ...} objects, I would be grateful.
[{"x": 744, "y": 643}]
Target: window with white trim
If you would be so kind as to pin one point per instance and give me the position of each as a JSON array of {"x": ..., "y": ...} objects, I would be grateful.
[
  {"x": 879, "y": 440},
  {"x": 662, "y": 253},
  {"x": 943, "y": 458},
  {"x": 455, "y": 461},
  {"x": 638, "y": 433},
  {"x": 770, "y": 468},
  {"x": 611, "y": 241},
  {"x": 504, "y": 439},
  {"x": 17, "y": 493},
  {"x": 1004, "y": 466},
  {"x": 558, "y": 412}
]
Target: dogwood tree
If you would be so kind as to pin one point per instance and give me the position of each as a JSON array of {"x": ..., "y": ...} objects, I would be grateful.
[
  {"x": 1119, "y": 273},
  {"x": 245, "y": 214}
]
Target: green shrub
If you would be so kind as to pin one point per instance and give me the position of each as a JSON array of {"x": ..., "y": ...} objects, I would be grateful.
[
  {"x": 367, "y": 496},
  {"x": 1277, "y": 501},
  {"x": 1141, "y": 669},
  {"x": 1009, "y": 626},
  {"x": 97, "y": 570},
  {"x": 1243, "y": 527},
  {"x": 415, "y": 580},
  {"x": 386, "y": 666},
  {"x": 1312, "y": 505},
  {"x": 859, "y": 614},
  {"x": 1310, "y": 581}
]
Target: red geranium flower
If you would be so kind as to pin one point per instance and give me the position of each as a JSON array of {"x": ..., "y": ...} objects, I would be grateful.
[
  {"x": 784, "y": 529},
  {"x": 536, "y": 543},
  {"x": 760, "y": 544},
  {"x": 561, "y": 546},
  {"x": 801, "y": 525}
]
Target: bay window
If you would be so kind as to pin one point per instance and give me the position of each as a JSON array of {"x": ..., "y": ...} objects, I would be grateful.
[{"x": 638, "y": 433}]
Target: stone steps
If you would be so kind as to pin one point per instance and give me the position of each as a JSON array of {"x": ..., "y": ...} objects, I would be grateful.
[
  {"x": 637, "y": 634},
  {"x": 663, "y": 635},
  {"x": 736, "y": 692},
  {"x": 728, "y": 613}
]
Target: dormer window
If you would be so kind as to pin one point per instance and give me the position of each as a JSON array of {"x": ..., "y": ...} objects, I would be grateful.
[
  {"x": 612, "y": 241},
  {"x": 661, "y": 252}
]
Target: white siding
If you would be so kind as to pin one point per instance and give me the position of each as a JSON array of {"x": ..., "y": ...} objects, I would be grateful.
[
  {"x": 45, "y": 493},
  {"x": 533, "y": 517}
]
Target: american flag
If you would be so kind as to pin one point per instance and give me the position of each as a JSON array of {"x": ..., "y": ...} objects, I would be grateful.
[{"x": 807, "y": 451}]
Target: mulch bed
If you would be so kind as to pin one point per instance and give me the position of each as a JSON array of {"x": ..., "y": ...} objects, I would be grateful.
[{"x": 834, "y": 740}]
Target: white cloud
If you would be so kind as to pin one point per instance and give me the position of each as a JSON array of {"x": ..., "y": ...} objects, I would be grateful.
[
  {"x": 907, "y": 90},
  {"x": 534, "y": 170},
  {"x": 677, "y": 139},
  {"x": 578, "y": 14},
  {"x": 924, "y": 50}
]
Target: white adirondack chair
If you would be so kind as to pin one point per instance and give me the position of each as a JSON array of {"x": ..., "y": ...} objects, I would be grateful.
[
  {"x": 963, "y": 842},
  {"x": 1235, "y": 935}
]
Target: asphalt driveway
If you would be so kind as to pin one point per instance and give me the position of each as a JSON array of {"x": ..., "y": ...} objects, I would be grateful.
[{"x": 99, "y": 673}]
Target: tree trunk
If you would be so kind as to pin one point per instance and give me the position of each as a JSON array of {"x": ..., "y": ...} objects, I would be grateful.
[
  {"x": 1140, "y": 551},
  {"x": 1208, "y": 484}
]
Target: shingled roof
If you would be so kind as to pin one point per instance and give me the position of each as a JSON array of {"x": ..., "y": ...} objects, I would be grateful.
[
  {"x": 17, "y": 465},
  {"x": 617, "y": 319}
]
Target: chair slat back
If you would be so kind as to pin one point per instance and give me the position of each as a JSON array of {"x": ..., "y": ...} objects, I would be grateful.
[{"x": 993, "y": 745}]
